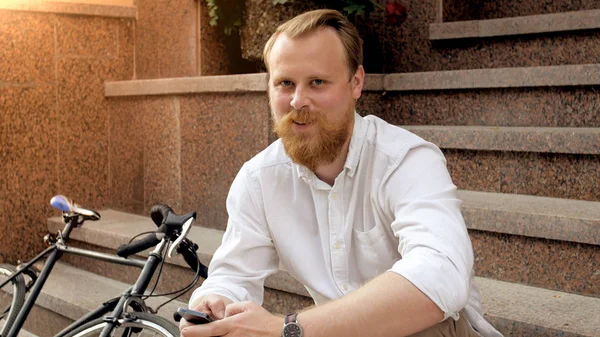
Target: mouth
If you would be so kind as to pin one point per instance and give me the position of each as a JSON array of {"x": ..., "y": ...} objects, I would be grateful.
[{"x": 302, "y": 122}]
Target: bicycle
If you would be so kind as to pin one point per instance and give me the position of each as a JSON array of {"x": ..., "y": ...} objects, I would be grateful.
[{"x": 127, "y": 314}]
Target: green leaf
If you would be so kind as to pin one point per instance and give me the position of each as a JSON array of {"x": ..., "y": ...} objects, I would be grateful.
[{"x": 354, "y": 9}]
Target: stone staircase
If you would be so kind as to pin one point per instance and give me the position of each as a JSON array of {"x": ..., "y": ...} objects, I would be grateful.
[
  {"x": 515, "y": 308},
  {"x": 522, "y": 143}
]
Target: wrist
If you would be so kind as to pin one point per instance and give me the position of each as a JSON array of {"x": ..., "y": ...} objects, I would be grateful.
[
  {"x": 291, "y": 326},
  {"x": 278, "y": 323}
]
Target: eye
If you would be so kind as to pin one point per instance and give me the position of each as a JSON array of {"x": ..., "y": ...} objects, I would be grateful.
[
  {"x": 286, "y": 83},
  {"x": 318, "y": 82}
]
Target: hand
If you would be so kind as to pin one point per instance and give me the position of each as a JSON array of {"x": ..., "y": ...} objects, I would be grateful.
[
  {"x": 245, "y": 319},
  {"x": 213, "y": 305}
]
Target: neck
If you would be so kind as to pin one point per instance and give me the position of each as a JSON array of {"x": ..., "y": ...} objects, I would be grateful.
[{"x": 328, "y": 172}]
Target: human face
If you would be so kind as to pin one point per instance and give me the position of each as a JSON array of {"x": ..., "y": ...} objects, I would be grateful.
[{"x": 312, "y": 96}]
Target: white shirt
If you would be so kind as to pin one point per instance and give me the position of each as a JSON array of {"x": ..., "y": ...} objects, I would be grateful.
[{"x": 392, "y": 208}]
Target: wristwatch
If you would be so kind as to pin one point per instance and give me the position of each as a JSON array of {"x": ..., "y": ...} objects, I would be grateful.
[{"x": 291, "y": 327}]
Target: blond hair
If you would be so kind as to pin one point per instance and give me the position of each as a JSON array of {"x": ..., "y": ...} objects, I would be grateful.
[{"x": 313, "y": 20}]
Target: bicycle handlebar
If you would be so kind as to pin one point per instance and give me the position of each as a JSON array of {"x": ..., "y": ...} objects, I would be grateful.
[
  {"x": 188, "y": 250},
  {"x": 168, "y": 224},
  {"x": 159, "y": 213},
  {"x": 135, "y": 247}
]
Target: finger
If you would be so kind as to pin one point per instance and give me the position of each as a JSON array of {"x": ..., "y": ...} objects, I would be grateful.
[
  {"x": 236, "y": 308},
  {"x": 184, "y": 324},
  {"x": 217, "y": 308},
  {"x": 204, "y": 307},
  {"x": 216, "y": 328}
]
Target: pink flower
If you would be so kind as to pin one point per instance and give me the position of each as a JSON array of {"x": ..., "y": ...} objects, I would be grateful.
[{"x": 395, "y": 13}]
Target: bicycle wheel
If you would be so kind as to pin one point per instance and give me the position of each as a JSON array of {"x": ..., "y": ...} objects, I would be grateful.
[
  {"x": 12, "y": 296},
  {"x": 144, "y": 325}
]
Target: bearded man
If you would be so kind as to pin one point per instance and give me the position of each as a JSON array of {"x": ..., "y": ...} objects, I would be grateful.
[{"x": 362, "y": 212}]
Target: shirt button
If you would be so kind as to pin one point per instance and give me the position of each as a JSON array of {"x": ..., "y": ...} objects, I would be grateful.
[
  {"x": 345, "y": 287},
  {"x": 337, "y": 245},
  {"x": 334, "y": 196}
]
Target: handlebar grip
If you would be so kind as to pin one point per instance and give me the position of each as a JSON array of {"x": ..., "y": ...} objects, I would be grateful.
[
  {"x": 188, "y": 250},
  {"x": 137, "y": 246},
  {"x": 160, "y": 212}
]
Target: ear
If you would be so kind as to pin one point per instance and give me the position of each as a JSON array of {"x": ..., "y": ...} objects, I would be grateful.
[{"x": 358, "y": 81}]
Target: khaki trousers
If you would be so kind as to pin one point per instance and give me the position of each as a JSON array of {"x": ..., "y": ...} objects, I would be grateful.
[{"x": 449, "y": 328}]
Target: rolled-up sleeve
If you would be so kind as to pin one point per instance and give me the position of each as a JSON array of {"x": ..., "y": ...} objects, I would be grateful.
[
  {"x": 437, "y": 256},
  {"x": 247, "y": 254}
]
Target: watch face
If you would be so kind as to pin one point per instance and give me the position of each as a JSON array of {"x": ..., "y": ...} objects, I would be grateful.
[{"x": 292, "y": 330}]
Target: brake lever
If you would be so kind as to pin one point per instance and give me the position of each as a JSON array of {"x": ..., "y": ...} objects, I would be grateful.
[{"x": 185, "y": 229}]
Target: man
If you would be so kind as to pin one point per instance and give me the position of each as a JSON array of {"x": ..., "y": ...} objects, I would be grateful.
[{"x": 363, "y": 213}]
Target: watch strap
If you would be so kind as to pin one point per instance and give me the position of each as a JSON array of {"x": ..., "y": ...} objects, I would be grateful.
[{"x": 289, "y": 318}]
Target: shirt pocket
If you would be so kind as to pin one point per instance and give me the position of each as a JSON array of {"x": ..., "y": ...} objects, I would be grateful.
[{"x": 375, "y": 251}]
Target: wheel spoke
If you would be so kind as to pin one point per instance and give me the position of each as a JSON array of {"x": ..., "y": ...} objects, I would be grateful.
[{"x": 145, "y": 325}]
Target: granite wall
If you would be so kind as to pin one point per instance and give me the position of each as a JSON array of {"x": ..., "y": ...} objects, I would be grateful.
[
  {"x": 54, "y": 117},
  {"x": 60, "y": 135},
  {"x": 175, "y": 39},
  {"x": 183, "y": 150}
]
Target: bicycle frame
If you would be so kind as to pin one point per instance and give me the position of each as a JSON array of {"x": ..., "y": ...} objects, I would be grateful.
[{"x": 54, "y": 253}]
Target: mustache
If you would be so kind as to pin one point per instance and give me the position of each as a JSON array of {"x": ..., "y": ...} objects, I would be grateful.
[{"x": 304, "y": 116}]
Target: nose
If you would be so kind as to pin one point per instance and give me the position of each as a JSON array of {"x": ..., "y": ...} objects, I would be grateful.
[{"x": 300, "y": 100}]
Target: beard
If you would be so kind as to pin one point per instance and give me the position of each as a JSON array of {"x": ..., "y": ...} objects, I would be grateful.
[{"x": 312, "y": 149}]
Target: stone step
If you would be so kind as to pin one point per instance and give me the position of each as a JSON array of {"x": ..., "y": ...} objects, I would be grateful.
[
  {"x": 511, "y": 139},
  {"x": 563, "y": 176},
  {"x": 22, "y": 333},
  {"x": 494, "y": 78},
  {"x": 497, "y": 36},
  {"x": 521, "y": 25},
  {"x": 522, "y": 77},
  {"x": 544, "y": 96},
  {"x": 514, "y": 237},
  {"x": 69, "y": 293},
  {"x": 544, "y": 242},
  {"x": 522, "y": 107},
  {"x": 514, "y": 315},
  {"x": 565, "y": 220},
  {"x": 551, "y": 162},
  {"x": 25, "y": 333},
  {"x": 521, "y": 311}
]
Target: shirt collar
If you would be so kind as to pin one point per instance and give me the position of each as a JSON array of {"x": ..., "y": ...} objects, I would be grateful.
[{"x": 356, "y": 142}]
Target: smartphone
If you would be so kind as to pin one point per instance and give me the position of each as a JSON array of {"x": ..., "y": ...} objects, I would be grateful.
[{"x": 194, "y": 317}]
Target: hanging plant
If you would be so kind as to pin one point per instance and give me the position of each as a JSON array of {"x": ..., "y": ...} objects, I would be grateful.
[{"x": 229, "y": 12}]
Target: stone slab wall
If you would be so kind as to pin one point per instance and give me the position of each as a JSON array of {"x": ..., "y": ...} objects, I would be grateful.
[
  {"x": 53, "y": 116},
  {"x": 184, "y": 150}
]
